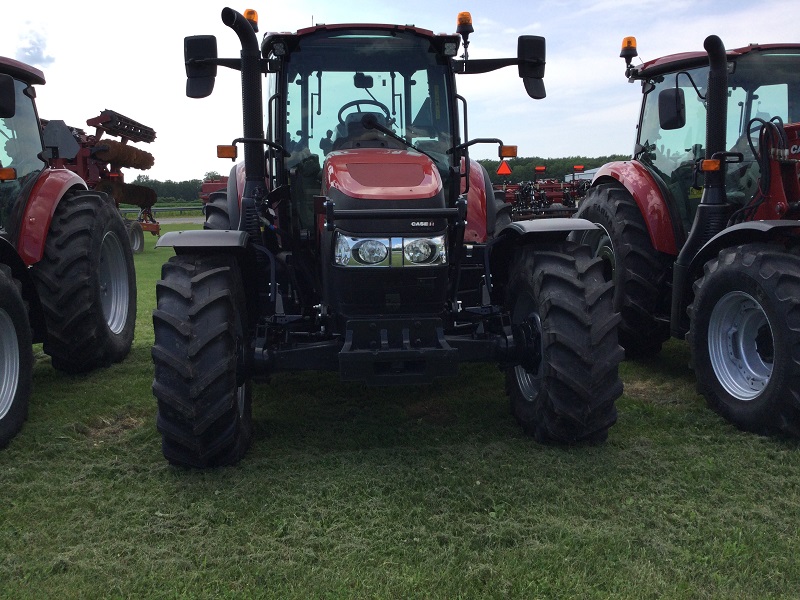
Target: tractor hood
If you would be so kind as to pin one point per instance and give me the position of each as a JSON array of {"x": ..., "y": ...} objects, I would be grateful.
[{"x": 382, "y": 174}]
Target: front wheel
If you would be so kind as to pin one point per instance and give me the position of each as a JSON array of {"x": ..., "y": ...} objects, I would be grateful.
[
  {"x": 87, "y": 284},
  {"x": 16, "y": 357},
  {"x": 200, "y": 326},
  {"x": 744, "y": 337},
  {"x": 565, "y": 330},
  {"x": 136, "y": 236}
]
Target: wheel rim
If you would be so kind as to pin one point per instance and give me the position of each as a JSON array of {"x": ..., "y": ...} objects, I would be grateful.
[
  {"x": 136, "y": 239},
  {"x": 9, "y": 363},
  {"x": 113, "y": 281},
  {"x": 528, "y": 337},
  {"x": 741, "y": 345}
]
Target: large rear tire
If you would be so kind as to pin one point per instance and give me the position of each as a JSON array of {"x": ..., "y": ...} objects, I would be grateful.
[
  {"x": 745, "y": 335},
  {"x": 16, "y": 357},
  {"x": 87, "y": 284},
  {"x": 639, "y": 272},
  {"x": 564, "y": 389},
  {"x": 200, "y": 325}
]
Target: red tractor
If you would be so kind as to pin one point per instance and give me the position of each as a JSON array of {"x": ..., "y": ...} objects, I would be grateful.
[
  {"x": 358, "y": 236},
  {"x": 699, "y": 231},
  {"x": 99, "y": 162},
  {"x": 66, "y": 269}
]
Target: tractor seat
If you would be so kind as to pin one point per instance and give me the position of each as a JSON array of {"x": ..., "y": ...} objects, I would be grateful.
[{"x": 352, "y": 133}]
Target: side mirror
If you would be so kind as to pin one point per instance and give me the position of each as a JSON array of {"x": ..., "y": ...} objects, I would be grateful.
[
  {"x": 8, "y": 105},
  {"x": 531, "y": 57},
  {"x": 198, "y": 51},
  {"x": 671, "y": 109}
]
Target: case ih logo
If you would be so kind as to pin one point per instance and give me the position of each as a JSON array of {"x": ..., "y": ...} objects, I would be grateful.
[{"x": 422, "y": 223}]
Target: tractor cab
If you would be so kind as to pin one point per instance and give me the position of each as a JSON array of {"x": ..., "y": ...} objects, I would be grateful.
[
  {"x": 20, "y": 138},
  {"x": 762, "y": 109},
  {"x": 380, "y": 93}
]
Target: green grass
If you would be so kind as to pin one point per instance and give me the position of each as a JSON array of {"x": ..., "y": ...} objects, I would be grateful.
[{"x": 354, "y": 492}]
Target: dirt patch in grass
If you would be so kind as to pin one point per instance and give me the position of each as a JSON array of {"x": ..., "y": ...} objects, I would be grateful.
[{"x": 108, "y": 428}]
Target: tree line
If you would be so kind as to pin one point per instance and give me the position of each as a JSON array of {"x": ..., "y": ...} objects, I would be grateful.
[{"x": 178, "y": 191}]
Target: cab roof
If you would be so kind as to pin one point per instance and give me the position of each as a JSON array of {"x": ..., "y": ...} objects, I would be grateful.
[
  {"x": 688, "y": 60},
  {"x": 293, "y": 38},
  {"x": 19, "y": 70}
]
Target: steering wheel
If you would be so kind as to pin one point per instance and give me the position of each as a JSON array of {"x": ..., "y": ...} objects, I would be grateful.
[{"x": 358, "y": 104}]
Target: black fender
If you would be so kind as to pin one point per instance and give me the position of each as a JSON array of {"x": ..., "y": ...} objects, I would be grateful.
[
  {"x": 529, "y": 232},
  {"x": 744, "y": 233},
  {"x": 203, "y": 239},
  {"x": 218, "y": 241},
  {"x": 543, "y": 230}
]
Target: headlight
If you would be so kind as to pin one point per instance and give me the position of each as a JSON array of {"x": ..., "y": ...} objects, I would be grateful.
[
  {"x": 379, "y": 252},
  {"x": 424, "y": 251},
  {"x": 372, "y": 252},
  {"x": 418, "y": 251},
  {"x": 343, "y": 253}
]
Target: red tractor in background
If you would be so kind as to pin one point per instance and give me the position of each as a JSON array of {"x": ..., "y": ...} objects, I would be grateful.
[
  {"x": 66, "y": 268},
  {"x": 699, "y": 230},
  {"x": 359, "y": 236},
  {"x": 211, "y": 185},
  {"x": 99, "y": 161}
]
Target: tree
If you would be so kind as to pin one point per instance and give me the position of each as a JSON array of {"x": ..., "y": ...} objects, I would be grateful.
[{"x": 185, "y": 191}]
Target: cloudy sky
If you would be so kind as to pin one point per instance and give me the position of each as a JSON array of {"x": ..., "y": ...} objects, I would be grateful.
[{"x": 128, "y": 57}]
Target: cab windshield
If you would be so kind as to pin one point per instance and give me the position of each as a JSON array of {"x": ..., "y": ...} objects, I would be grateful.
[{"x": 333, "y": 80}]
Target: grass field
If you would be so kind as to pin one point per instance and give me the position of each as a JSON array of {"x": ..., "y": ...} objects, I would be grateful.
[{"x": 352, "y": 492}]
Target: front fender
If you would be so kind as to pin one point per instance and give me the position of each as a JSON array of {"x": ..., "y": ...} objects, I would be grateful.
[
  {"x": 478, "y": 197},
  {"x": 545, "y": 230},
  {"x": 534, "y": 232},
  {"x": 203, "y": 239},
  {"x": 47, "y": 192},
  {"x": 664, "y": 227},
  {"x": 744, "y": 233}
]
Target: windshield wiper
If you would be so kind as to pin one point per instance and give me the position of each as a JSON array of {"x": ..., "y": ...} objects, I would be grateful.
[{"x": 370, "y": 121}]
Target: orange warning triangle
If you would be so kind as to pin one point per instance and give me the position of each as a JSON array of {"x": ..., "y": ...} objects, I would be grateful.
[{"x": 503, "y": 169}]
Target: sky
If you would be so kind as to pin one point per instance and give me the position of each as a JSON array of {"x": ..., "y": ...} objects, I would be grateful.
[{"x": 128, "y": 57}]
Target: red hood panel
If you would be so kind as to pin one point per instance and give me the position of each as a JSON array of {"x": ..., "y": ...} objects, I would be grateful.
[{"x": 382, "y": 174}]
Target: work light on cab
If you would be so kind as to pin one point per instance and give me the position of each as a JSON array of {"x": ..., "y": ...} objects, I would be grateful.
[{"x": 252, "y": 18}]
